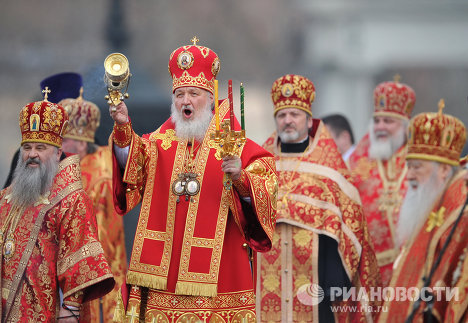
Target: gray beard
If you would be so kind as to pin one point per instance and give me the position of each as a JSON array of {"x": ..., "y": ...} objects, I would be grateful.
[
  {"x": 417, "y": 205},
  {"x": 384, "y": 149},
  {"x": 30, "y": 183},
  {"x": 192, "y": 129},
  {"x": 288, "y": 137}
]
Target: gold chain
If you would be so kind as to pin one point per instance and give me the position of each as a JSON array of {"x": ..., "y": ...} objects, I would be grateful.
[{"x": 189, "y": 162}]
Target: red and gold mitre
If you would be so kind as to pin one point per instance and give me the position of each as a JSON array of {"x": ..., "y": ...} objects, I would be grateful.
[
  {"x": 84, "y": 117},
  {"x": 293, "y": 91},
  {"x": 193, "y": 65},
  {"x": 437, "y": 137},
  {"x": 43, "y": 121},
  {"x": 394, "y": 99}
]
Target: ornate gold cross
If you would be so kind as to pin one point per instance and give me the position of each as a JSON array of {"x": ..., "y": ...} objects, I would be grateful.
[
  {"x": 195, "y": 40},
  {"x": 46, "y": 91},
  {"x": 435, "y": 219}
]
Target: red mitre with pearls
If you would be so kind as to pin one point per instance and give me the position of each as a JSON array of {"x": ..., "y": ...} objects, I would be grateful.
[
  {"x": 436, "y": 136},
  {"x": 193, "y": 65},
  {"x": 394, "y": 99},
  {"x": 293, "y": 91},
  {"x": 43, "y": 121}
]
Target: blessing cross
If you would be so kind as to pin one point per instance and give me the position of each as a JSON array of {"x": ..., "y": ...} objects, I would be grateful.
[
  {"x": 46, "y": 91},
  {"x": 195, "y": 40},
  {"x": 436, "y": 219}
]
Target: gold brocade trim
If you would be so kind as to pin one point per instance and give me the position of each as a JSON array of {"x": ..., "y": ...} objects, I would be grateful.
[
  {"x": 166, "y": 138},
  {"x": 286, "y": 275},
  {"x": 201, "y": 283},
  {"x": 306, "y": 167},
  {"x": 69, "y": 161},
  {"x": 138, "y": 272},
  {"x": 433, "y": 158},
  {"x": 239, "y": 184},
  {"x": 147, "y": 280},
  {"x": 43, "y": 138},
  {"x": 315, "y": 273},
  {"x": 386, "y": 257},
  {"x": 263, "y": 183},
  {"x": 333, "y": 208},
  {"x": 293, "y": 104},
  {"x": 188, "y": 80},
  {"x": 347, "y": 267},
  {"x": 171, "y": 301},
  {"x": 391, "y": 197},
  {"x": 390, "y": 114},
  {"x": 124, "y": 130},
  {"x": 82, "y": 287},
  {"x": 89, "y": 250},
  {"x": 5, "y": 292},
  {"x": 134, "y": 164}
]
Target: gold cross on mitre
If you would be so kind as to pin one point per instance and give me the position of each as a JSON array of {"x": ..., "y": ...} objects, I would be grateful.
[
  {"x": 195, "y": 40},
  {"x": 46, "y": 91},
  {"x": 441, "y": 106},
  {"x": 435, "y": 219},
  {"x": 396, "y": 78},
  {"x": 80, "y": 97}
]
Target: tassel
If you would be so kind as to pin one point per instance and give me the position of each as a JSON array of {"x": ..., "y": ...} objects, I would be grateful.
[
  {"x": 119, "y": 312},
  {"x": 146, "y": 280}
]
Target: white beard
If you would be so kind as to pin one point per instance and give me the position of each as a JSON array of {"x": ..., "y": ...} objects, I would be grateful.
[
  {"x": 417, "y": 205},
  {"x": 288, "y": 137},
  {"x": 30, "y": 183},
  {"x": 383, "y": 149},
  {"x": 195, "y": 128}
]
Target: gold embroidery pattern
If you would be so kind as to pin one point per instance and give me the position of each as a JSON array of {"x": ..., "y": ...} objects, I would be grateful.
[
  {"x": 139, "y": 269},
  {"x": 261, "y": 175},
  {"x": 289, "y": 85},
  {"x": 239, "y": 184},
  {"x": 92, "y": 249},
  {"x": 168, "y": 307},
  {"x": 190, "y": 240},
  {"x": 138, "y": 152},
  {"x": 122, "y": 134},
  {"x": 52, "y": 119},
  {"x": 83, "y": 117},
  {"x": 187, "y": 80},
  {"x": 167, "y": 138}
]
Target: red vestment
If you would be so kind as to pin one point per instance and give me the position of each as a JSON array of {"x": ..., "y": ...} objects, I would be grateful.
[
  {"x": 56, "y": 246},
  {"x": 96, "y": 175},
  {"x": 420, "y": 253},
  {"x": 189, "y": 257},
  {"x": 315, "y": 198},
  {"x": 382, "y": 186}
]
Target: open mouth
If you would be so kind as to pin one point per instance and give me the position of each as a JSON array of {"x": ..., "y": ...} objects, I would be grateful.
[
  {"x": 187, "y": 112},
  {"x": 32, "y": 163}
]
